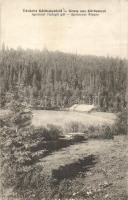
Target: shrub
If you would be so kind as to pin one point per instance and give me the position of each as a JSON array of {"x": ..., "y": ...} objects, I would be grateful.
[
  {"x": 97, "y": 131},
  {"x": 107, "y": 132},
  {"x": 74, "y": 127},
  {"x": 101, "y": 132},
  {"x": 121, "y": 124},
  {"x": 54, "y": 132},
  {"x": 51, "y": 132}
]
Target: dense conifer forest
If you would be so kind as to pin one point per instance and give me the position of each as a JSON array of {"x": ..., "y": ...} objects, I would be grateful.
[{"x": 56, "y": 80}]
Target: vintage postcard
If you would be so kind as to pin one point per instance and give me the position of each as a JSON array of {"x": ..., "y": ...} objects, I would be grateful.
[{"x": 63, "y": 100}]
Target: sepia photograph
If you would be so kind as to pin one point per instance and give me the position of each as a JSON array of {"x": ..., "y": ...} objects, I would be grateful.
[{"x": 63, "y": 100}]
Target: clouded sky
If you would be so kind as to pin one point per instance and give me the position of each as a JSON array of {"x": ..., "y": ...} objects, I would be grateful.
[{"x": 100, "y": 35}]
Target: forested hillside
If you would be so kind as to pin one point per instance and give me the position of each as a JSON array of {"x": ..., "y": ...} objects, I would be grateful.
[{"x": 57, "y": 80}]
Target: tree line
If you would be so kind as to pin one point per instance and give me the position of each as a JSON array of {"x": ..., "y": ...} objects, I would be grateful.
[{"x": 56, "y": 80}]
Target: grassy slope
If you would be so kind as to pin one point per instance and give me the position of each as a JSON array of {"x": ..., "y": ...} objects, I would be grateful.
[
  {"x": 106, "y": 180},
  {"x": 73, "y": 153}
]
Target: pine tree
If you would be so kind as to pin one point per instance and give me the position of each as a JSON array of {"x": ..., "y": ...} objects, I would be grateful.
[{"x": 16, "y": 138}]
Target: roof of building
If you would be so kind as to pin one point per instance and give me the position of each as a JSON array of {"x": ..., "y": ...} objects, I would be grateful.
[{"x": 82, "y": 107}]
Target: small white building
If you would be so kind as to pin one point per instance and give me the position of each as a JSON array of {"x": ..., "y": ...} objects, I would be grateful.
[{"x": 83, "y": 108}]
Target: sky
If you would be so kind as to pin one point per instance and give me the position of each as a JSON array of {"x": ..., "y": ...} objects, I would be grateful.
[{"x": 104, "y": 35}]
